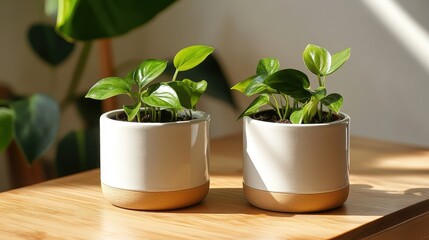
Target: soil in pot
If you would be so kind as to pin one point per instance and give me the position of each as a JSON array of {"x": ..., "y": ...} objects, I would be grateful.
[
  {"x": 147, "y": 116},
  {"x": 272, "y": 116}
]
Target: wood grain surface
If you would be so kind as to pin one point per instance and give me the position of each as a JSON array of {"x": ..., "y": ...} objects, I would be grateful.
[{"x": 389, "y": 195}]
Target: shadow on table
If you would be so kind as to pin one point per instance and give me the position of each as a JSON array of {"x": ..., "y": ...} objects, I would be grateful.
[
  {"x": 228, "y": 201},
  {"x": 363, "y": 200}
]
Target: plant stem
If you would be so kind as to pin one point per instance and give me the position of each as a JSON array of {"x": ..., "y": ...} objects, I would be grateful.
[
  {"x": 286, "y": 106},
  {"x": 77, "y": 75},
  {"x": 138, "y": 115},
  {"x": 277, "y": 106},
  {"x": 320, "y": 112},
  {"x": 175, "y": 75}
]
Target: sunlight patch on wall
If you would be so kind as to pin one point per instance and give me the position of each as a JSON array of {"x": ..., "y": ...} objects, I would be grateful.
[{"x": 404, "y": 27}]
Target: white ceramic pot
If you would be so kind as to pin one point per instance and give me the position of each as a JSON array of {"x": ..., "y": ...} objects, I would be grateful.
[
  {"x": 296, "y": 167},
  {"x": 154, "y": 166}
]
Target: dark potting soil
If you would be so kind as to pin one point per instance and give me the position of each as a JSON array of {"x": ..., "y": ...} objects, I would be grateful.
[
  {"x": 146, "y": 117},
  {"x": 272, "y": 116}
]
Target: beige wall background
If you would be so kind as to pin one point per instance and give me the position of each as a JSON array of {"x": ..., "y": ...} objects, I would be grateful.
[{"x": 384, "y": 84}]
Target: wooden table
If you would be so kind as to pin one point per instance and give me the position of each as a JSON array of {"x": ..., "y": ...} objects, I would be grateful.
[{"x": 389, "y": 198}]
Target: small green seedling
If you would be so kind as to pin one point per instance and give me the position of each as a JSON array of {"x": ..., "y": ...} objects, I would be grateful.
[
  {"x": 288, "y": 91},
  {"x": 150, "y": 99}
]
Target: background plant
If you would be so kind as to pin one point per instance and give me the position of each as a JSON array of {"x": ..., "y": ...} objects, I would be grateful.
[
  {"x": 288, "y": 91},
  {"x": 173, "y": 96},
  {"x": 84, "y": 22}
]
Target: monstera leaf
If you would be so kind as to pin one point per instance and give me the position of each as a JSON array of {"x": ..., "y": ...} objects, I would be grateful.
[
  {"x": 48, "y": 45},
  {"x": 36, "y": 124},
  {"x": 88, "y": 20}
]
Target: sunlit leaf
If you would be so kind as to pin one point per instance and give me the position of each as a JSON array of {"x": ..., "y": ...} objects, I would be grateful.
[
  {"x": 190, "y": 57},
  {"x": 241, "y": 86},
  {"x": 338, "y": 59},
  {"x": 317, "y": 59},
  {"x": 109, "y": 87},
  {"x": 188, "y": 91},
  {"x": 148, "y": 71},
  {"x": 257, "y": 86},
  {"x": 267, "y": 66},
  {"x": 297, "y": 116},
  {"x": 254, "y": 106},
  {"x": 211, "y": 71},
  {"x": 197, "y": 89},
  {"x": 333, "y": 101},
  {"x": 162, "y": 96},
  {"x": 132, "y": 111},
  {"x": 306, "y": 113},
  {"x": 319, "y": 93}
]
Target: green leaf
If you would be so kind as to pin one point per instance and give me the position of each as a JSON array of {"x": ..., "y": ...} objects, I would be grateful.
[
  {"x": 319, "y": 93},
  {"x": 148, "y": 71},
  {"x": 297, "y": 116},
  {"x": 333, "y": 101},
  {"x": 241, "y": 86},
  {"x": 109, "y": 87},
  {"x": 211, "y": 71},
  {"x": 317, "y": 59},
  {"x": 338, "y": 59},
  {"x": 162, "y": 96},
  {"x": 267, "y": 66},
  {"x": 6, "y": 127},
  {"x": 306, "y": 113},
  {"x": 78, "y": 151},
  {"x": 197, "y": 89},
  {"x": 89, "y": 20},
  {"x": 190, "y": 57},
  {"x": 132, "y": 111},
  {"x": 254, "y": 106},
  {"x": 258, "y": 86},
  {"x": 183, "y": 92},
  {"x": 290, "y": 82},
  {"x": 189, "y": 92},
  {"x": 310, "y": 110},
  {"x": 37, "y": 120},
  {"x": 48, "y": 45}
]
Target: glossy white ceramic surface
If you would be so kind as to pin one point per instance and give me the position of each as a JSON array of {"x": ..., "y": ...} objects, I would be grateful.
[
  {"x": 154, "y": 156},
  {"x": 292, "y": 158}
]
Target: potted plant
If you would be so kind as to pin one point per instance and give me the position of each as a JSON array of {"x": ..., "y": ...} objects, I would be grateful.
[
  {"x": 154, "y": 153},
  {"x": 296, "y": 154}
]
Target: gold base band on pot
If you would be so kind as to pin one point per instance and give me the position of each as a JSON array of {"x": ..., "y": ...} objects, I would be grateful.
[
  {"x": 140, "y": 200},
  {"x": 289, "y": 202}
]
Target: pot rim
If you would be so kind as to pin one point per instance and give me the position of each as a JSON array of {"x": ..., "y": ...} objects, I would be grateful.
[
  {"x": 345, "y": 119},
  {"x": 201, "y": 116}
]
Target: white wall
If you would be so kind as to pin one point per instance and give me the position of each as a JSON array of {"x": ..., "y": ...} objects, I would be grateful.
[{"x": 384, "y": 84}]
